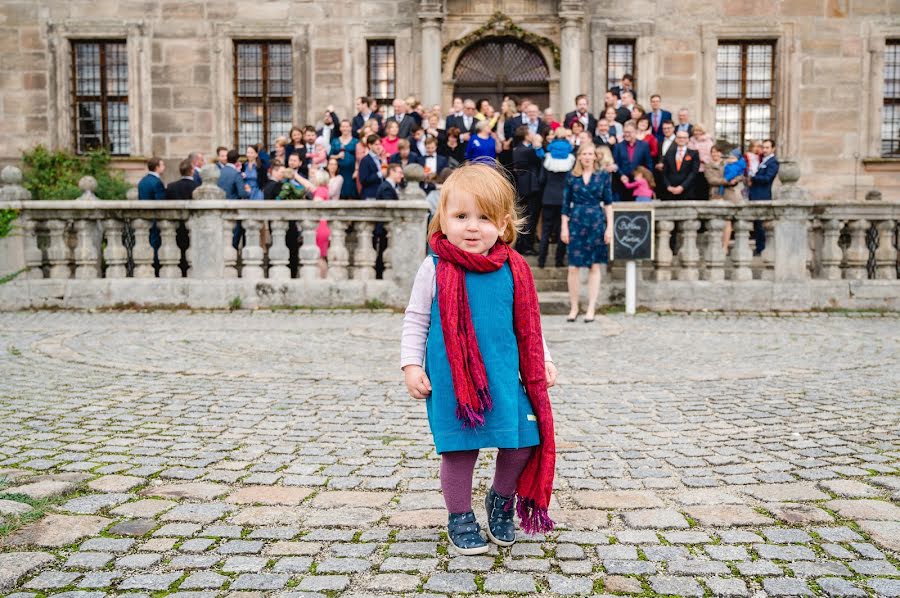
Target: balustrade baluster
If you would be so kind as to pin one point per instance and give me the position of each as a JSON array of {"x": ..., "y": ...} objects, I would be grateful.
[
  {"x": 768, "y": 254},
  {"x": 252, "y": 252},
  {"x": 169, "y": 255},
  {"x": 741, "y": 255},
  {"x": 142, "y": 253},
  {"x": 279, "y": 256},
  {"x": 688, "y": 255},
  {"x": 831, "y": 250},
  {"x": 230, "y": 253},
  {"x": 34, "y": 257},
  {"x": 857, "y": 254},
  {"x": 663, "y": 260},
  {"x": 115, "y": 255},
  {"x": 715, "y": 253},
  {"x": 388, "y": 271},
  {"x": 886, "y": 254},
  {"x": 364, "y": 256},
  {"x": 338, "y": 256},
  {"x": 58, "y": 251},
  {"x": 309, "y": 252},
  {"x": 87, "y": 250}
]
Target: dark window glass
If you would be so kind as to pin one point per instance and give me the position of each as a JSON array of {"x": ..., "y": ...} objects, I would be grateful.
[
  {"x": 745, "y": 75},
  {"x": 619, "y": 60},
  {"x": 100, "y": 96},
  {"x": 263, "y": 92},
  {"x": 890, "y": 116},
  {"x": 382, "y": 71}
]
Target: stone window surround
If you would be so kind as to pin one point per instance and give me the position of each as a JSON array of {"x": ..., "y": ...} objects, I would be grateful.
[
  {"x": 224, "y": 36},
  {"x": 405, "y": 54},
  {"x": 60, "y": 34},
  {"x": 786, "y": 93},
  {"x": 874, "y": 42},
  {"x": 603, "y": 30}
]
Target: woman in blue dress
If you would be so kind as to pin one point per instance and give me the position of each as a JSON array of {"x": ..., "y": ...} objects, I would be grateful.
[
  {"x": 482, "y": 146},
  {"x": 587, "y": 207},
  {"x": 254, "y": 174},
  {"x": 344, "y": 149}
]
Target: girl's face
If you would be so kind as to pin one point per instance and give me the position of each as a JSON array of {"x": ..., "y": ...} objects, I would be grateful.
[
  {"x": 332, "y": 166},
  {"x": 610, "y": 114},
  {"x": 345, "y": 129},
  {"x": 638, "y": 176},
  {"x": 392, "y": 129},
  {"x": 467, "y": 227},
  {"x": 296, "y": 136},
  {"x": 251, "y": 154}
]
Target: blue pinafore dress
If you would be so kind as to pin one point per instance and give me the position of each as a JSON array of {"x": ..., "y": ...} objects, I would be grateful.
[{"x": 511, "y": 423}]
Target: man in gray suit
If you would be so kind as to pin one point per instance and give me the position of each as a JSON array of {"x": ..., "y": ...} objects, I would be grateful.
[{"x": 230, "y": 180}]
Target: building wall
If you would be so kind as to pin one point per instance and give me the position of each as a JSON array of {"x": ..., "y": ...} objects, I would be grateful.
[{"x": 180, "y": 63}]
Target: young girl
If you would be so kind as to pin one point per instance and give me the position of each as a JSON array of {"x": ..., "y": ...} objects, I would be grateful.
[
  {"x": 323, "y": 233},
  {"x": 643, "y": 184},
  {"x": 473, "y": 319}
]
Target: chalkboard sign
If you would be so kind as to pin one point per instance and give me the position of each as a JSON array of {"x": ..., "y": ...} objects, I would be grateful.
[{"x": 633, "y": 235}]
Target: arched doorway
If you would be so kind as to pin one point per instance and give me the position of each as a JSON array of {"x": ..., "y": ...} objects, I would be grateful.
[{"x": 500, "y": 66}]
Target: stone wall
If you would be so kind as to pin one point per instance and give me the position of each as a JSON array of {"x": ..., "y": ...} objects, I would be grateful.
[{"x": 829, "y": 63}]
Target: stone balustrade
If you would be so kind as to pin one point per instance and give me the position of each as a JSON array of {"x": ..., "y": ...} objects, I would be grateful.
[{"x": 91, "y": 253}]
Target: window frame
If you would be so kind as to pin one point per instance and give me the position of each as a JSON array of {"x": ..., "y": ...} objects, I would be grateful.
[
  {"x": 104, "y": 98},
  {"x": 263, "y": 99},
  {"x": 742, "y": 101},
  {"x": 622, "y": 41},
  {"x": 374, "y": 43},
  {"x": 886, "y": 101}
]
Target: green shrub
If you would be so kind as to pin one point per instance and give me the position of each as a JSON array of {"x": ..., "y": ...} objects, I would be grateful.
[
  {"x": 6, "y": 221},
  {"x": 55, "y": 175}
]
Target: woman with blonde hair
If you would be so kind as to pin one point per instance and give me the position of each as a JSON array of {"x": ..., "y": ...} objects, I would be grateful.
[
  {"x": 586, "y": 210},
  {"x": 703, "y": 143}
]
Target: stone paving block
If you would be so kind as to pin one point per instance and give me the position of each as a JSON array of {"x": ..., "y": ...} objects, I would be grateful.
[
  {"x": 518, "y": 583},
  {"x": 118, "y": 545},
  {"x": 193, "y": 561},
  {"x": 340, "y": 498},
  {"x": 576, "y": 567},
  {"x": 150, "y": 581},
  {"x": 531, "y": 565},
  {"x": 200, "y": 491},
  {"x": 806, "y": 569},
  {"x": 261, "y": 581},
  {"x": 240, "y": 547},
  {"x": 835, "y": 586},
  {"x": 655, "y": 519},
  {"x": 293, "y": 564},
  {"x": 203, "y": 580},
  {"x": 196, "y": 545},
  {"x": 837, "y": 534},
  {"x": 584, "y": 537},
  {"x": 343, "y": 565},
  {"x": 244, "y": 564},
  {"x": 687, "y": 537},
  {"x": 850, "y": 488},
  {"x": 698, "y": 567},
  {"x": 784, "y": 553},
  {"x": 726, "y": 586},
  {"x": 617, "y": 551},
  {"x": 133, "y": 527},
  {"x": 88, "y": 560},
  {"x": 269, "y": 495},
  {"x": 324, "y": 583},
  {"x": 116, "y": 483},
  {"x": 393, "y": 582},
  {"x": 738, "y": 536},
  {"x": 624, "y": 585},
  {"x": 354, "y": 550},
  {"x": 159, "y": 544},
  {"x": 659, "y": 554},
  {"x": 798, "y": 491},
  {"x": 11, "y": 507},
  {"x": 726, "y": 515},
  {"x": 758, "y": 568},
  {"x": 268, "y": 516},
  {"x": 54, "y": 531},
  {"x": 354, "y": 517},
  {"x": 197, "y": 513},
  {"x": 570, "y": 586},
  {"x": 49, "y": 580},
  {"x": 43, "y": 489},
  {"x": 99, "y": 579},
  {"x": 183, "y": 530},
  {"x": 786, "y": 586},
  {"x": 885, "y": 533},
  {"x": 137, "y": 561},
  {"x": 526, "y": 550},
  {"x": 867, "y": 550},
  {"x": 874, "y": 568},
  {"x": 622, "y": 567},
  {"x": 470, "y": 563},
  {"x": 798, "y": 513},
  {"x": 681, "y": 586},
  {"x": 877, "y": 510},
  {"x": 414, "y": 548},
  {"x": 451, "y": 583},
  {"x": 147, "y": 508},
  {"x": 624, "y": 499},
  {"x": 425, "y": 518},
  {"x": 786, "y": 536},
  {"x": 708, "y": 496},
  {"x": 885, "y": 587},
  {"x": 569, "y": 551},
  {"x": 293, "y": 548},
  {"x": 405, "y": 565},
  {"x": 633, "y": 536}
]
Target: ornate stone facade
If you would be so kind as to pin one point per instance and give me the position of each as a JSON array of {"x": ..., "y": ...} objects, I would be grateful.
[{"x": 829, "y": 59}]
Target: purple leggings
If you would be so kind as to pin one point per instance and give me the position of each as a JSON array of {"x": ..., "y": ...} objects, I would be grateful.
[{"x": 457, "y": 468}]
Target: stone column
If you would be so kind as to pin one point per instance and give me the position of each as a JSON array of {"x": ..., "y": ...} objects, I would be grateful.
[
  {"x": 210, "y": 238},
  {"x": 12, "y": 247},
  {"x": 431, "y": 58},
  {"x": 570, "y": 59},
  {"x": 791, "y": 232}
]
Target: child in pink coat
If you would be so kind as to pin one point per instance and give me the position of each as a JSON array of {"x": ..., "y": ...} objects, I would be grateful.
[{"x": 643, "y": 184}]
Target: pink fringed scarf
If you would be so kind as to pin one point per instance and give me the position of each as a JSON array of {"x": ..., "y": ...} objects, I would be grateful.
[{"x": 467, "y": 366}]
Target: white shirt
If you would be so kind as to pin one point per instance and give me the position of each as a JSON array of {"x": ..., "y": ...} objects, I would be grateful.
[
  {"x": 378, "y": 162},
  {"x": 420, "y": 145},
  {"x": 431, "y": 162},
  {"x": 667, "y": 143}
]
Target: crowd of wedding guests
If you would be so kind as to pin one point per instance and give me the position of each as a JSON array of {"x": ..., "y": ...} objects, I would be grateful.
[{"x": 634, "y": 153}]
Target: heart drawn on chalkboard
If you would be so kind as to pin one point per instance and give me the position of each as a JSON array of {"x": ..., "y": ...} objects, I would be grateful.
[{"x": 632, "y": 231}]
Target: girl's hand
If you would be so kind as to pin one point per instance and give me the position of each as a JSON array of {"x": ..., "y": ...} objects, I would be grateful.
[
  {"x": 417, "y": 383},
  {"x": 551, "y": 373},
  {"x": 564, "y": 234},
  {"x": 607, "y": 236},
  {"x": 624, "y": 179}
]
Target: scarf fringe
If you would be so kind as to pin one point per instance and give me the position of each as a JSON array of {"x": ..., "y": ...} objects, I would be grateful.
[
  {"x": 484, "y": 398},
  {"x": 534, "y": 520},
  {"x": 469, "y": 417}
]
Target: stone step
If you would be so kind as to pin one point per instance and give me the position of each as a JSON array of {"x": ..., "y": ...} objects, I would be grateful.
[{"x": 550, "y": 284}]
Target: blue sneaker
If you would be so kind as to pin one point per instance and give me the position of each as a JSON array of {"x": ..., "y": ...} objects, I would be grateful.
[
  {"x": 465, "y": 534},
  {"x": 501, "y": 528}
]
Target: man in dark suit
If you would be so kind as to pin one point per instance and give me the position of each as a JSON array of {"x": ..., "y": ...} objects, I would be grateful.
[
  {"x": 467, "y": 121},
  {"x": 276, "y": 180},
  {"x": 761, "y": 188},
  {"x": 230, "y": 180},
  {"x": 433, "y": 163},
  {"x": 681, "y": 167},
  {"x": 331, "y": 127},
  {"x": 666, "y": 144},
  {"x": 628, "y": 154},
  {"x": 184, "y": 187},
  {"x": 196, "y": 159},
  {"x": 604, "y": 136},
  {"x": 402, "y": 118},
  {"x": 625, "y": 106},
  {"x": 456, "y": 113},
  {"x": 151, "y": 186},
  {"x": 581, "y": 113},
  {"x": 526, "y": 171},
  {"x": 627, "y": 84},
  {"x": 363, "y": 114},
  {"x": 658, "y": 116},
  {"x": 391, "y": 183},
  {"x": 417, "y": 140},
  {"x": 684, "y": 122},
  {"x": 370, "y": 176}
]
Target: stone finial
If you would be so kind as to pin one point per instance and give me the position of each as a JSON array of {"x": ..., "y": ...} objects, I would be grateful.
[
  {"x": 12, "y": 189},
  {"x": 131, "y": 194},
  {"x": 210, "y": 189},
  {"x": 413, "y": 173},
  {"x": 788, "y": 172},
  {"x": 88, "y": 185}
]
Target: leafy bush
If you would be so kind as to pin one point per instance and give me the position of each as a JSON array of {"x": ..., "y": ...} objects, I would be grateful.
[
  {"x": 6, "y": 221},
  {"x": 55, "y": 175}
]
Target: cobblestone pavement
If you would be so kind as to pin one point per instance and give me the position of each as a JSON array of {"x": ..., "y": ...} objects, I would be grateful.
[{"x": 249, "y": 453}]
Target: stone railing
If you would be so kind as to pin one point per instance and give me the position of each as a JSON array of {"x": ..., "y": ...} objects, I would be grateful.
[{"x": 92, "y": 253}]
